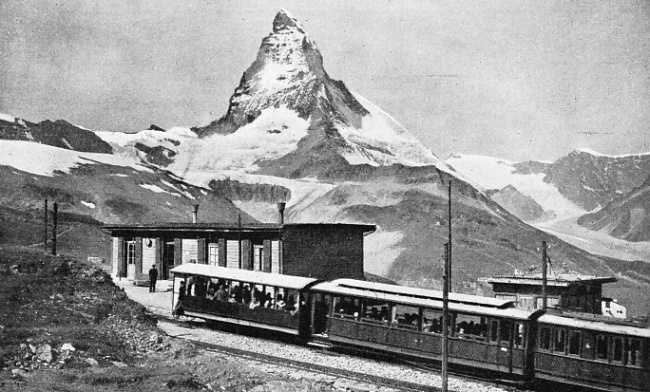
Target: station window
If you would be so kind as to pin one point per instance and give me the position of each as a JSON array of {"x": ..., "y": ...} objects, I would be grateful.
[
  {"x": 213, "y": 254},
  {"x": 601, "y": 347},
  {"x": 130, "y": 252},
  {"x": 618, "y": 349},
  {"x": 574, "y": 342},
  {"x": 432, "y": 321},
  {"x": 559, "y": 341},
  {"x": 471, "y": 327},
  {"x": 545, "y": 338},
  {"x": 633, "y": 352}
]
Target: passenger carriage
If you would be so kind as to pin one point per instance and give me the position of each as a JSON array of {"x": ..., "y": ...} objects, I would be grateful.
[
  {"x": 592, "y": 353},
  {"x": 252, "y": 298},
  {"x": 484, "y": 333}
]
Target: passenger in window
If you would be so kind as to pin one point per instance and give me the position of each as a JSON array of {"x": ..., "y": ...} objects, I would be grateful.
[
  {"x": 246, "y": 294},
  {"x": 291, "y": 305},
  {"x": 221, "y": 294},
  {"x": 255, "y": 303},
  {"x": 236, "y": 293},
  {"x": 211, "y": 294},
  {"x": 279, "y": 303},
  {"x": 383, "y": 315},
  {"x": 374, "y": 314}
]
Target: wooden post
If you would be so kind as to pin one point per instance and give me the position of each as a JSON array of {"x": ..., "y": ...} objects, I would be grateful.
[
  {"x": 544, "y": 277},
  {"x": 45, "y": 228},
  {"x": 450, "y": 288},
  {"x": 445, "y": 319},
  {"x": 55, "y": 223}
]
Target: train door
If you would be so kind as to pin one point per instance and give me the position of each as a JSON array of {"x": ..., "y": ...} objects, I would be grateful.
[
  {"x": 501, "y": 332},
  {"x": 168, "y": 259},
  {"x": 319, "y": 312}
]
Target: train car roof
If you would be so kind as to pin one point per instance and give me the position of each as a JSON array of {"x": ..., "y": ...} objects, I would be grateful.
[
  {"x": 432, "y": 303},
  {"x": 415, "y": 292},
  {"x": 257, "y": 277},
  {"x": 595, "y": 325}
]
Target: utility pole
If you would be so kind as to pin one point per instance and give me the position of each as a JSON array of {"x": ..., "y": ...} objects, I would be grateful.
[
  {"x": 45, "y": 227},
  {"x": 445, "y": 317},
  {"x": 55, "y": 222},
  {"x": 239, "y": 238},
  {"x": 449, "y": 241},
  {"x": 544, "y": 277}
]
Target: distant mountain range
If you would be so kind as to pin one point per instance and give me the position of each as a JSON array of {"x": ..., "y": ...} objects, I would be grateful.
[{"x": 293, "y": 133}]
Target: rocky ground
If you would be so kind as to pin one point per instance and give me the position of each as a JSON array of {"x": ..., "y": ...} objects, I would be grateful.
[{"x": 65, "y": 326}]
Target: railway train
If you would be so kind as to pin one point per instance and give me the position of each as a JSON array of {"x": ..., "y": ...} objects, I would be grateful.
[{"x": 486, "y": 334}]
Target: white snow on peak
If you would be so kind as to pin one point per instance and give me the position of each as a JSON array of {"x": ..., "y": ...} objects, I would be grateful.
[
  {"x": 273, "y": 134},
  {"x": 148, "y": 137},
  {"x": 384, "y": 141},
  {"x": 7, "y": 117},
  {"x": 88, "y": 204},
  {"x": 597, "y": 154},
  {"x": 20, "y": 155},
  {"x": 494, "y": 173}
]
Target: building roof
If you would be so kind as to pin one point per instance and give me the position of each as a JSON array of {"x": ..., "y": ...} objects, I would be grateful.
[
  {"x": 210, "y": 227},
  {"x": 564, "y": 280},
  {"x": 256, "y": 277}
]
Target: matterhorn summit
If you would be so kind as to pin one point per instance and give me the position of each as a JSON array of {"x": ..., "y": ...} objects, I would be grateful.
[{"x": 299, "y": 120}]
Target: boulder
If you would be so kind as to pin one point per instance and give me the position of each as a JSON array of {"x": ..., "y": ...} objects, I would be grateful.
[{"x": 44, "y": 353}]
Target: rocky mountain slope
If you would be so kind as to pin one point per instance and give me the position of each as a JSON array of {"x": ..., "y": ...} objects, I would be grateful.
[
  {"x": 627, "y": 217},
  {"x": 522, "y": 206},
  {"x": 293, "y": 133}
]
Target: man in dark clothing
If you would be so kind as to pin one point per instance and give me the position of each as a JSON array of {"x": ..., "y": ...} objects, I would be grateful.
[{"x": 153, "y": 277}]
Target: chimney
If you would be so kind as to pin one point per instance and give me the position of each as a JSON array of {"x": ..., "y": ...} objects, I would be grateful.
[
  {"x": 281, "y": 205},
  {"x": 195, "y": 212}
]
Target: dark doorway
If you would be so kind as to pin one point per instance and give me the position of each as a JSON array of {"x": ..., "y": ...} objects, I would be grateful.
[{"x": 168, "y": 259}]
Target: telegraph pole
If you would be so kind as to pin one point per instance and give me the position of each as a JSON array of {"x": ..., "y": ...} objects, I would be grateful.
[
  {"x": 544, "y": 277},
  {"x": 45, "y": 228},
  {"x": 449, "y": 241},
  {"x": 239, "y": 238},
  {"x": 55, "y": 222},
  {"x": 445, "y": 317}
]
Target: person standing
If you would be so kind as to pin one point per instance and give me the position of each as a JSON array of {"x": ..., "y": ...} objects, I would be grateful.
[{"x": 153, "y": 277}]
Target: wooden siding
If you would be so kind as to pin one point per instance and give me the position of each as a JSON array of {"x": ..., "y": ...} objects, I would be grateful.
[
  {"x": 148, "y": 254},
  {"x": 190, "y": 254},
  {"x": 232, "y": 254}
]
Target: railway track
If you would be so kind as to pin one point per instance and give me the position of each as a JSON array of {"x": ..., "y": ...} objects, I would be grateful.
[{"x": 322, "y": 369}]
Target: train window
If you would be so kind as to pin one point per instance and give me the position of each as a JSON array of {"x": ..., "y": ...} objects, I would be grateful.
[
  {"x": 545, "y": 338},
  {"x": 559, "y": 341},
  {"x": 346, "y": 307},
  {"x": 293, "y": 301},
  {"x": 505, "y": 331},
  {"x": 601, "y": 347},
  {"x": 618, "y": 349},
  {"x": 471, "y": 327},
  {"x": 494, "y": 330},
  {"x": 375, "y": 311},
  {"x": 574, "y": 342},
  {"x": 407, "y": 317},
  {"x": 432, "y": 321},
  {"x": 633, "y": 352},
  {"x": 520, "y": 331}
]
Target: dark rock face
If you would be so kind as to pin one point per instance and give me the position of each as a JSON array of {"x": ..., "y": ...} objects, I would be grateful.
[
  {"x": 592, "y": 181},
  {"x": 57, "y": 133},
  {"x": 627, "y": 217},
  {"x": 522, "y": 206}
]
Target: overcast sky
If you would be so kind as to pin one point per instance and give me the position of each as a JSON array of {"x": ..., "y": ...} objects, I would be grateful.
[{"x": 514, "y": 79}]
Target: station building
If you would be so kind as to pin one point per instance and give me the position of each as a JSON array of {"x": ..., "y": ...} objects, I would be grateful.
[
  {"x": 579, "y": 293},
  {"x": 318, "y": 250}
]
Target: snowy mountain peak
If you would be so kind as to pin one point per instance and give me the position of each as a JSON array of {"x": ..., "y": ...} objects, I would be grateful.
[{"x": 284, "y": 21}]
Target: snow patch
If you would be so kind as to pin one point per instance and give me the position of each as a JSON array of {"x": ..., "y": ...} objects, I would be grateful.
[
  {"x": 20, "y": 155},
  {"x": 598, "y": 154},
  {"x": 381, "y": 250},
  {"x": 153, "y": 188},
  {"x": 494, "y": 173},
  {"x": 66, "y": 143},
  {"x": 88, "y": 204},
  {"x": 7, "y": 117},
  {"x": 273, "y": 134},
  {"x": 147, "y": 137}
]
